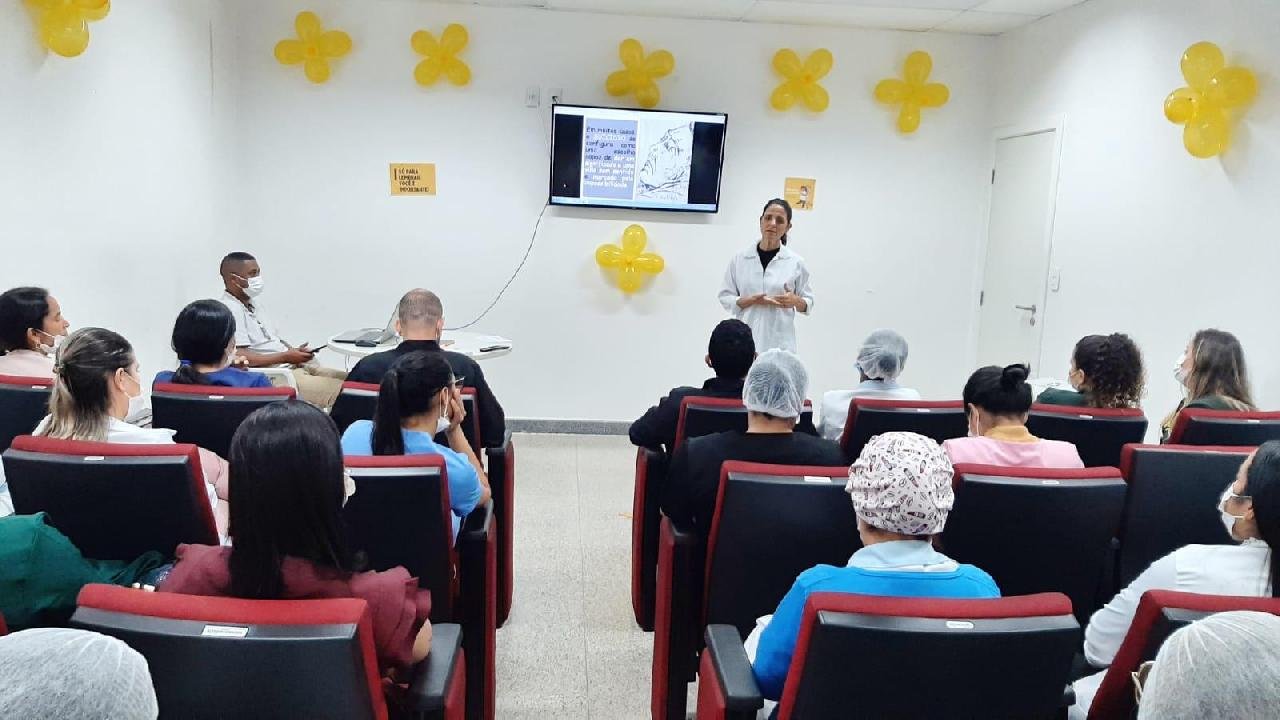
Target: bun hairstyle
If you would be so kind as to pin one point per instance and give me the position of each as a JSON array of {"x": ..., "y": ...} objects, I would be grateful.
[
  {"x": 999, "y": 391},
  {"x": 1112, "y": 367},
  {"x": 786, "y": 207}
]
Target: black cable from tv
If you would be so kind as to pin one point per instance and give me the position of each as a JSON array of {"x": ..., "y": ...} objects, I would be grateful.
[{"x": 537, "y": 224}]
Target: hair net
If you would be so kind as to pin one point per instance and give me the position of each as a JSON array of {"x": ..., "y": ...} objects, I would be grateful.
[
  {"x": 1224, "y": 666},
  {"x": 65, "y": 673},
  {"x": 776, "y": 384},
  {"x": 883, "y": 355},
  {"x": 901, "y": 482}
]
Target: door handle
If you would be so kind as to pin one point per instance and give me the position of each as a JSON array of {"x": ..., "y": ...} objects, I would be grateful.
[{"x": 1029, "y": 308}]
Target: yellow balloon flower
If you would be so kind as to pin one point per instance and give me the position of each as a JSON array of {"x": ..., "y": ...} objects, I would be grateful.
[
  {"x": 1213, "y": 94},
  {"x": 441, "y": 57},
  {"x": 630, "y": 260},
  {"x": 314, "y": 48},
  {"x": 913, "y": 92},
  {"x": 639, "y": 72},
  {"x": 802, "y": 78},
  {"x": 63, "y": 25}
]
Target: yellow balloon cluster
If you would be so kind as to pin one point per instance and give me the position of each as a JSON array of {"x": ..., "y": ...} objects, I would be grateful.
[
  {"x": 801, "y": 79},
  {"x": 63, "y": 25},
  {"x": 314, "y": 47},
  {"x": 1214, "y": 91},
  {"x": 639, "y": 72},
  {"x": 441, "y": 57},
  {"x": 630, "y": 260},
  {"x": 913, "y": 92}
]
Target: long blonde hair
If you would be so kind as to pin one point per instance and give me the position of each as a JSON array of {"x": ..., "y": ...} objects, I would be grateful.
[
  {"x": 1217, "y": 370},
  {"x": 80, "y": 402}
]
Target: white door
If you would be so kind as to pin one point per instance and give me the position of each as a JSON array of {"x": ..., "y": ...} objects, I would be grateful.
[{"x": 1018, "y": 236}]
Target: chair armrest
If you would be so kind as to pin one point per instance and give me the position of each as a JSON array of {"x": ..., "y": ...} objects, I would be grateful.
[
  {"x": 727, "y": 658},
  {"x": 478, "y": 571},
  {"x": 434, "y": 676}
]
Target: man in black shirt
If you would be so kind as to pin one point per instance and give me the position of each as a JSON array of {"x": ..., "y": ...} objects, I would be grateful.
[
  {"x": 420, "y": 320},
  {"x": 774, "y": 395},
  {"x": 730, "y": 353}
]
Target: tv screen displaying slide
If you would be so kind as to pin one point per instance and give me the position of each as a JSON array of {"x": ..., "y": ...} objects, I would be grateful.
[{"x": 642, "y": 159}]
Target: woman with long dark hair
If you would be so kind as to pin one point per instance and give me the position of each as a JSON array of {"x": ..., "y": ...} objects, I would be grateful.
[
  {"x": 1212, "y": 374},
  {"x": 204, "y": 337},
  {"x": 418, "y": 399},
  {"x": 31, "y": 329},
  {"x": 768, "y": 284},
  {"x": 1250, "y": 512},
  {"x": 288, "y": 487}
]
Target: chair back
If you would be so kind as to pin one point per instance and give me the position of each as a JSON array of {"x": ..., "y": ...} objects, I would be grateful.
[
  {"x": 868, "y": 417},
  {"x": 709, "y": 415},
  {"x": 214, "y": 657},
  {"x": 771, "y": 523},
  {"x": 907, "y": 658},
  {"x": 207, "y": 416},
  {"x": 113, "y": 501},
  {"x": 400, "y": 516},
  {"x": 355, "y": 401},
  {"x": 1172, "y": 501},
  {"x": 24, "y": 401},
  {"x": 1098, "y": 433},
  {"x": 1201, "y": 426},
  {"x": 1037, "y": 530}
]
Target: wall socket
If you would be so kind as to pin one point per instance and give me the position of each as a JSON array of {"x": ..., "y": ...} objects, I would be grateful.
[{"x": 532, "y": 96}]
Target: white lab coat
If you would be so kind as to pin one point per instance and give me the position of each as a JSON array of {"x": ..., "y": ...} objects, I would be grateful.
[{"x": 772, "y": 327}]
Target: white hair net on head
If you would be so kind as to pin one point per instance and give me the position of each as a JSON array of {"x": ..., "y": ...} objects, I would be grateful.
[
  {"x": 776, "y": 384},
  {"x": 883, "y": 355},
  {"x": 65, "y": 673},
  {"x": 1224, "y": 666}
]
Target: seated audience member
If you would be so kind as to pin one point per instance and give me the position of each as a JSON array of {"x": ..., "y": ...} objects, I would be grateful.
[
  {"x": 1250, "y": 510},
  {"x": 880, "y": 361},
  {"x": 1224, "y": 667},
  {"x": 96, "y": 386},
  {"x": 419, "y": 321},
  {"x": 1212, "y": 374},
  {"x": 417, "y": 399},
  {"x": 774, "y": 395},
  {"x": 1106, "y": 372},
  {"x": 41, "y": 572},
  {"x": 256, "y": 337},
  {"x": 996, "y": 404},
  {"x": 204, "y": 337},
  {"x": 901, "y": 491},
  {"x": 31, "y": 329},
  {"x": 730, "y": 354},
  {"x": 66, "y": 673},
  {"x": 288, "y": 488}
]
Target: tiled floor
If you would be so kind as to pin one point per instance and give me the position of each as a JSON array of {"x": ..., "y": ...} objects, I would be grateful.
[{"x": 571, "y": 648}]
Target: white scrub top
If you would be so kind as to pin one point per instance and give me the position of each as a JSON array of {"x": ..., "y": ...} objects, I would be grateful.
[{"x": 772, "y": 327}]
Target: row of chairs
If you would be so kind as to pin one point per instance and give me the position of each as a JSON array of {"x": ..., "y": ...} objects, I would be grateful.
[{"x": 1083, "y": 533}]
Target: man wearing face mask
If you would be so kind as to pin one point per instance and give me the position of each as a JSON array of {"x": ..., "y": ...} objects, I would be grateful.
[
  {"x": 257, "y": 340},
  {"x": 31, "y": 329}
]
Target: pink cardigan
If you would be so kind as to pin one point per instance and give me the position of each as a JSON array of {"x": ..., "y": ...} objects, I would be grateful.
[{"x": 1012, "y": 447}]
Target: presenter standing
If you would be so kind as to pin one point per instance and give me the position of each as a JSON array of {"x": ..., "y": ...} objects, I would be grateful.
[{"x": 767, "y": 285}]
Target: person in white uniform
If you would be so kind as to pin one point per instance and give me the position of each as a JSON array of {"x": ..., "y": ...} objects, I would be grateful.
[
  {"x": 1250, "y": 510},
  {"x": 880, "y": 361},
  {"x": 767, "y": 285}
]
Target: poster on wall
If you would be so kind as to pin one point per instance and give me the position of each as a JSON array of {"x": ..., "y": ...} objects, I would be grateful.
[
  {"x": 413, "y": 178},
  {"x": 799, "y": 192}
]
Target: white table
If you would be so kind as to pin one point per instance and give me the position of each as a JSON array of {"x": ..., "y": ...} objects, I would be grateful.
[{"x": 467, "y": 343}]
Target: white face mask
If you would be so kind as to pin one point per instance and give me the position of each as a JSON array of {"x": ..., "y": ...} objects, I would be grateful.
[
  {"x": 973, "y": 423},
  {"x": 138, "y": 404},
  {"x": 348, "y": 487},
  {"x": 55, "y": 342},
  {"x": 1180, "y": 373},
  {"x": 253, "y": 286},
  {"x": 1228, "y": 520}
]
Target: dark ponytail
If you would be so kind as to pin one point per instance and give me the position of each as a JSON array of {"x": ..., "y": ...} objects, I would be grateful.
[
  {"x": 408, "y": 389},
  {"x": 786, "y": 207},
  {"x": 1262, "y": 483},
  {"x": 999, "y": 391},
  {"x": 201, "y": 335}
]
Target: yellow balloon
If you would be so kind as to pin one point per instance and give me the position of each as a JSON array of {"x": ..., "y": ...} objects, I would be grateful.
[
  {"x": 786, "y": 63},
  {"x": 648, "y": 263},
  {"x": 933, "y": 95},
  {"x": 428, "y": 71},
  {"x": 815, "y": 97},
  {"x": 818, "y": 64},
  {"x": 633, "y": 240},
  {"x": 64, "y": 32},
  {"x": 1232, "y": 87},
  {"x": 618, "y": 83},
  {"x": 424, "y": 43},
  {"x": 909, "y": 118},
  {"x": 334, "y": 43},
  {"x": 892, "y": 91},
  {"x": 457, "y": 72},
  {"x": 1200, "y": 62},
  {"x": 660, "y": 64},
  {"x": 1208, "y": 134},
  {"x": 631, "y": 52},
  {"x": 454, "y": 39},
  {"x": 647, "y": 94},
  {"x": 317, "y": 70},
  {"x": 93, "y": 9},
  {"x": 917, "y": 68},
  {"x": 629, "y": 279},
  {"x": 308, "y": 26},
  {"x": 1181, "y": 105},
  {"x": 609, "y": 255},
  {"x": 783, "y": 97},
  {"x": 290, "y": 52}
]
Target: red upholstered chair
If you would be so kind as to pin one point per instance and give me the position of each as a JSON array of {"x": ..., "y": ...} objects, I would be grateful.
[
  {"x": 906, "y": 658},
  {"x": 113, "y": 501},
  {"x": 355, "y": 401},
  {"x": 771, "y": 523},
  {"x": 4, "y": 629},
  {"x": 1172, "y": 501},
  {"x": 400, "y": 516},
  {"x": 1196, "y": 426},
  {"x": 24, "y": 401},
  {"x": 1160, "y": 612},
  {"x": 1097, "y": 433},
  {"x": 214, "y": 657},
  {"x": 207, "y": 416},
  {"x": 940, "y": 420}
]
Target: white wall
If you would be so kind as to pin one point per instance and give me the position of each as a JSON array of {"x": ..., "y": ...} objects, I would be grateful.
[
  {"x": 1150, "y": 240},
  {"x": 110, "y": 176},
  {"x": 892, "y": 243}
]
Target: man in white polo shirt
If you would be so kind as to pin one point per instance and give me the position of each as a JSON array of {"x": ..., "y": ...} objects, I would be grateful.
[{"x": 257, "y": 340}]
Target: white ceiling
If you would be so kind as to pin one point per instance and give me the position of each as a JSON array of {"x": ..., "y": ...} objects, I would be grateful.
[{"x": 975, "y": 17}]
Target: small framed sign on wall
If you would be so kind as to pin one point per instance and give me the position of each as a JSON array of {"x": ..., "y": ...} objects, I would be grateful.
[{"x": 413, "y": 178}]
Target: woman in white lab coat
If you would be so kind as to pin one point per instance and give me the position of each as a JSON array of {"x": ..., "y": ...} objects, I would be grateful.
[{"x": 767, "y": 285}]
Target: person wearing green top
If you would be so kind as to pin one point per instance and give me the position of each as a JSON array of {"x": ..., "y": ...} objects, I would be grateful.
[
  {"x": 1213, "y": 376},
  {"x": 41, "y": 572},
  {"x": 1106, "y": 372}
]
